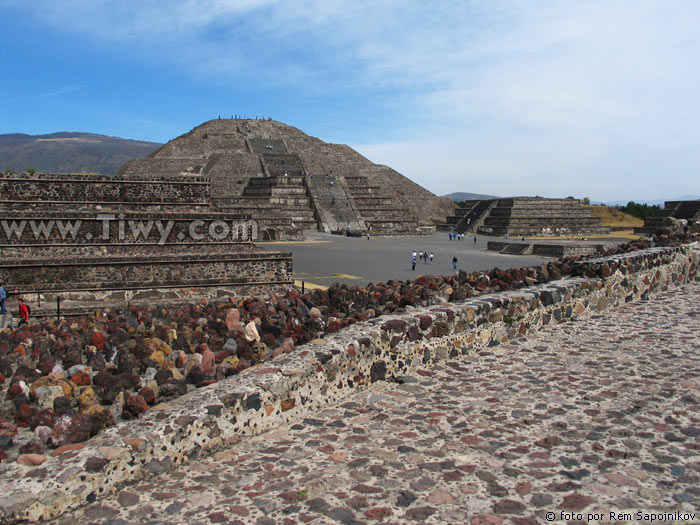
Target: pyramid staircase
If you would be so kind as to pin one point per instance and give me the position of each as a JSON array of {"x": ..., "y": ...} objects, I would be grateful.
[{"x": 469, "y": 217}]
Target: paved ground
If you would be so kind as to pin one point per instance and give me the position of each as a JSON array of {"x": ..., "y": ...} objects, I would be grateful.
[
  {"x": 594, "y": 416},
  {"x": 331, "y": 257}
]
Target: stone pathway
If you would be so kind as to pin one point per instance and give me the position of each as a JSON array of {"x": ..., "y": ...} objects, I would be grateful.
[{"x": 597, "y": 416}]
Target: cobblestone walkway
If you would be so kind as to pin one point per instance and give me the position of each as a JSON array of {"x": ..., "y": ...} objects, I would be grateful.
[{"x": 595, "y": 416}]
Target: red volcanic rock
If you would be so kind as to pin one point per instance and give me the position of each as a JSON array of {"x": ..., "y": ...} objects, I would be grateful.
[
  {"x": 26, "y": 415},
  {"x": 134, "y": 406},
  {"x": 45, "y": 367},
  {"x": 181, "y": 359},
  {"x": 81, "y": 378},
  {"x": 208, "y": 366},
  {"x": 71, "y": 429},
  {"x": 333, "y": 325},
  {"x": 15, "y": 390},
  {"x": 233, "y": 318},
  {"x": 98, "y": 340},
  {"x": 148, "y": 395},
  {"x": 32, "y": 447}
]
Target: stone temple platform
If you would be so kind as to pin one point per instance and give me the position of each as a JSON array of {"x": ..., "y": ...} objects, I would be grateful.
[{"x": 594, "y": 416}]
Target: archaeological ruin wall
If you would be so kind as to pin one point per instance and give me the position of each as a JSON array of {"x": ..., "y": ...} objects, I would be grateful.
[{"x": 81, "y": 236}]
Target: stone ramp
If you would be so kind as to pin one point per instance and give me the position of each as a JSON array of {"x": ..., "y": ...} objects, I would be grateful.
[{"x": 530, "y": 431}]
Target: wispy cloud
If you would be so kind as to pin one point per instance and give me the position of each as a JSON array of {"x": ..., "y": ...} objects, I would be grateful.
[
  {"x": 519, "y": 91},
  {"x": 38, "y": 96}
]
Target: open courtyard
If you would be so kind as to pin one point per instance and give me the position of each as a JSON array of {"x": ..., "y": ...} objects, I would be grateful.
[{"x": 323, "y": 258}]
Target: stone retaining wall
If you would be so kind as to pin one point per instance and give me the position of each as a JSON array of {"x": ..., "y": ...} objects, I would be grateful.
[
  {"x": 102, "y": 228},
  {"x": 148, "y": 271},
  {"x": 295, "y": 385},
  {"x": 57, "y": 188}
]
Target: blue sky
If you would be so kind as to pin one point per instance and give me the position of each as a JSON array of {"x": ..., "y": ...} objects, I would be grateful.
[{"x": 593, "y": 98}]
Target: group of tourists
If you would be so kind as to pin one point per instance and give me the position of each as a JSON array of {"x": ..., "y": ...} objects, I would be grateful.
[
  {"x": 454, "y": 236},
  {"x": 24, "y": 309},
  {"x": 424, "y": 257}
]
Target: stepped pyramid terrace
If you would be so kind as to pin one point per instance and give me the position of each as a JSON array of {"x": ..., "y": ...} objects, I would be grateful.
[{"x": 531, "y": 216}]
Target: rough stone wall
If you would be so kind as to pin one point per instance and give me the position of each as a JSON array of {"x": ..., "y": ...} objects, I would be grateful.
[
  {"x": 163, "y": 167},
  {"x": 229, "y": 174},
  {"x": 127, "y": 227},
  {"x": 47, "y": 188},
  {"x": 141, "y": 250},
  {"x": 147, "y": 271}
]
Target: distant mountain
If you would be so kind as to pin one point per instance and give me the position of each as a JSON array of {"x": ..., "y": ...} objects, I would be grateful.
[
  {"x": 651, "y": 202},
  {"x": 68, "y": 152},
  {"x": 462, "y": 196}
]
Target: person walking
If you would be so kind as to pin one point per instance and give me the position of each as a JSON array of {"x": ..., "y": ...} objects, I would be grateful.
[
  {"x": 475, "y": 239},
  {"x": 431, "y": 257},
  {"x": 413, "y": 261},
  {"x": 454, "y": 262},
  {"x": 3, "y": 297},
  {"x": 24, "y": 311},
  {"x": 3, "y": 309}
]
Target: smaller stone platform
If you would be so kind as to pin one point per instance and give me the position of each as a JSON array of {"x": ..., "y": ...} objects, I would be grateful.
[{"x": 537, "y": 216}]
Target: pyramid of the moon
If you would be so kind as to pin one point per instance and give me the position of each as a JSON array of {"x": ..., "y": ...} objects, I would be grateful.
[{"x": 288, "y": 181}]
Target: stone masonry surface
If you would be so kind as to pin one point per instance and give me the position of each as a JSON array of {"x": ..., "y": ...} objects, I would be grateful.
[
  {"x": 298, "y": 389},
  {"x": 596, "y": 416}
]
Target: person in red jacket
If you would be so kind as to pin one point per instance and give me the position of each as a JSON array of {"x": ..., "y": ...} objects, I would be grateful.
[{"x": 23, "y": 313}]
